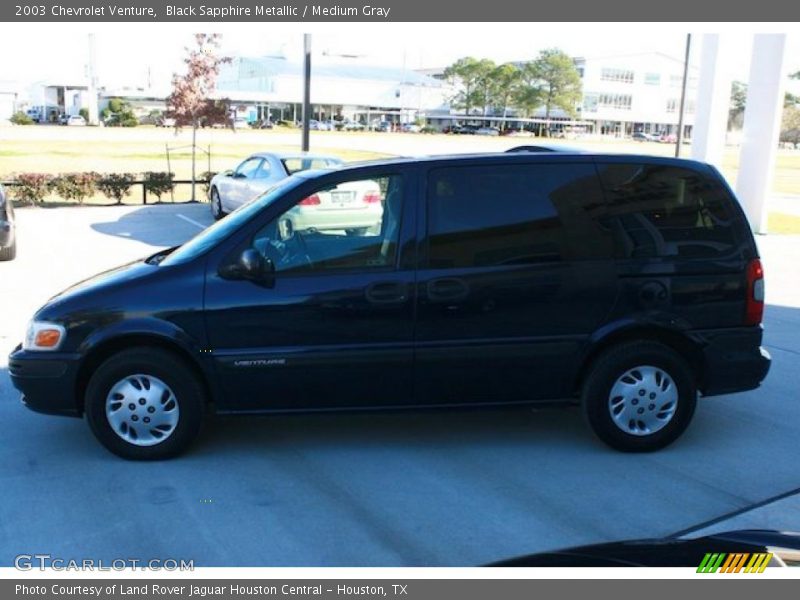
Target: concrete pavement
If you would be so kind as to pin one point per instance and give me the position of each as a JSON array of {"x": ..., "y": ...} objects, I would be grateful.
[{"x": 446, "y": 488}]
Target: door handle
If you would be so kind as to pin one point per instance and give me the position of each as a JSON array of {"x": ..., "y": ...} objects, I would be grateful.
[
  {"x": 447, "y": 289},
  {"x": 387, "y": 292}
]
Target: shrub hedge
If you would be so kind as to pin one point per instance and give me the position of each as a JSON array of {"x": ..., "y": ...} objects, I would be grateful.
[{"x": 34, "y": 188}]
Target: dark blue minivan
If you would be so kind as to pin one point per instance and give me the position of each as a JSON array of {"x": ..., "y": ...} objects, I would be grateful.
[{"x": 628, "y": 284}]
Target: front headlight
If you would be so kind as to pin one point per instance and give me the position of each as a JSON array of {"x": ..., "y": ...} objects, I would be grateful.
[{"x": 43, "y": 335}]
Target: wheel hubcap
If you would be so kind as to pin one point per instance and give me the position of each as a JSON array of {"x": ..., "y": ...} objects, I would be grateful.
[
  {"x": 643, "y": 400},
  {"x": 216, "y": 203},
  {"x": 142, "y": 410}
]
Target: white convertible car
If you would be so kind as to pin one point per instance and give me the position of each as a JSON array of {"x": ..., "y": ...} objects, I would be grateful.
[{"x": 256, "y": 174}]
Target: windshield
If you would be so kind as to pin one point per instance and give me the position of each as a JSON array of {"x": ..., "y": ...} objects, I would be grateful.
[
  {"x": 211, "y": 236},
  {"x": 304, "y": 163}
]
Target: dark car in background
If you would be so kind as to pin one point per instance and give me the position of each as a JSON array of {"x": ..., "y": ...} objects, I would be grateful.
[
  {"x": 746, "y": 551},
  {"x": 8, "y": 233},
  {"x": 625, "y": 284}
]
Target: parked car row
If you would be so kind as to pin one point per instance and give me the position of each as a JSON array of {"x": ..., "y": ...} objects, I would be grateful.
[
  {"x": 473, "y": 130},
  {"x": 72, "y": 120},
  {"x": 667, "y": 138}
]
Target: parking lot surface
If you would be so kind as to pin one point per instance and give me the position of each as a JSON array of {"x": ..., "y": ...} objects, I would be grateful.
[{"x": 408, "y": 489}]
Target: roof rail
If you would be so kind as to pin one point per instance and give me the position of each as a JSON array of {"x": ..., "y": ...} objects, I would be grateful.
[{"x": 540, "y": 148}]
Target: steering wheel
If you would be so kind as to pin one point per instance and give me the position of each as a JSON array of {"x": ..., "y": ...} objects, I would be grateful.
[
  {"x": 297, "y": 249},
  {"x": 288, "y": 253}
]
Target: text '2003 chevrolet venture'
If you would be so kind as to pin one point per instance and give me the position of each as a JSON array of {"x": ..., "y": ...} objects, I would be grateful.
[{"x": 629, "y": 284}]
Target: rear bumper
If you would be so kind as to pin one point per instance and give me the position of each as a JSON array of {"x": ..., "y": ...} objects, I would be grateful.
[
  {"x": 46, "y": 380},
  {"x": 336, "y": 219},
  {"x": 734, "y": 360}
]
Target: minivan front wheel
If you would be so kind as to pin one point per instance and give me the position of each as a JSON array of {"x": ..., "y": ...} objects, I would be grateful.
[
  {"x": 145, "y": 404},
  {"x": 10, "y": 252},
  {"x": 639, "y": 396}
]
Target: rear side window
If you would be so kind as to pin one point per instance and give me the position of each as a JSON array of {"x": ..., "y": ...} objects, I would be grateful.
[
  {"x": 508, "y": 215},
  {"x": 665, "y": 211}
]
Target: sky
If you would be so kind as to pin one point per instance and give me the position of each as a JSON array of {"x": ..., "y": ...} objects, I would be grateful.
[{"x": 134, "y": 54}]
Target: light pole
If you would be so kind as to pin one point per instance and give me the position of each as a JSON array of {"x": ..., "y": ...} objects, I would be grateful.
[
  {"x": 679, "y": 137},
  {"x": 306, "y": 89}
]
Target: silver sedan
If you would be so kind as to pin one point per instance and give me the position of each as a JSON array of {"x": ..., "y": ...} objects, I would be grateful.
[{"x": 256, "y": 174}]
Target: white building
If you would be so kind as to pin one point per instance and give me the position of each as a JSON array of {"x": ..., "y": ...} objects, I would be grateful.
[
  {"x": 274, "y": 85},
  {"x": 49, "y": 99},
  {"x": 8, "y": 102},
  {"x": 622, "y": 94},
  {"x": 635, "y": 92}
]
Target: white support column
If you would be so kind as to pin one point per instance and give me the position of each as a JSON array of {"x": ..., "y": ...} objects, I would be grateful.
[
  {"x": 713, "y": 99},
  {"x": 762, "y": 123}
]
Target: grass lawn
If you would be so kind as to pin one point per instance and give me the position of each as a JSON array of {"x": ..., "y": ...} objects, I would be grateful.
[
  {"x": 783, "y": 223},
  {"x": 54, "y": 150}
]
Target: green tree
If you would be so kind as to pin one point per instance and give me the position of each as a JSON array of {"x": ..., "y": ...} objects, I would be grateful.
[
  {"x": 21, "y": 118},
  {"x": 116, "y": 105},
  {"x": 469, "y": 77},
  {"x": 790, "y": 125},
  {"x": 737, "y": 104},
  {"x": 505, "y": 80},
  {"x": 528, "y": 94},
  {"x": 559, "y": 80},
  {"x": 191, "y": 98}
]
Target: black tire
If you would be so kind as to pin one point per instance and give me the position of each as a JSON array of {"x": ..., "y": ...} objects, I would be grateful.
[
  {"x": 613, "y": 364},
  {"x": 9, "y": 253},
  {"x": 215, "y": 199},
  {"x": 170, "y": 369}
]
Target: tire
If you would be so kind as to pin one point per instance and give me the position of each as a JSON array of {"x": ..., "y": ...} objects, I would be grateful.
[
  {"x": 9, "y": 253},
  {"x": 179, "y": 414},
  {"x": 216, "y": 205},
  {"x": 628, "y": 403}
]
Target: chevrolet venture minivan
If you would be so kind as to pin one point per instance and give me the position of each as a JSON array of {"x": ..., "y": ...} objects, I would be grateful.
[{"x": 628, "y": 284}]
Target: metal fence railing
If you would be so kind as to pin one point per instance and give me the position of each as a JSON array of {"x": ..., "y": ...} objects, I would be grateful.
[{"x": 200, "y": 183}]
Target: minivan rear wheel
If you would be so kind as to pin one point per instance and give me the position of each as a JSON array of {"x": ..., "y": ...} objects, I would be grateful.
[
  {"x": 145, "y": 404},
  {"x": 216, "y": 205},
  {"x": 639, "y": 396}
]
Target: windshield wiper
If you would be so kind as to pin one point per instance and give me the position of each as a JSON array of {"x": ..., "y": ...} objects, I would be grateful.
[{"x": 159, "y": 256}]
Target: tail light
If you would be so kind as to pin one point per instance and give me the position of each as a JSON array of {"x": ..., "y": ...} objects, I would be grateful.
[
  {"x": 754, "y": 307},
  {"x": 372, "y": 197},
  {"x": 312, "y": 200}
]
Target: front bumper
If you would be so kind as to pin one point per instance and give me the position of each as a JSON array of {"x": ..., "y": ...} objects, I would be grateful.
[
  {"x": 734, "y": 360},
  {"x": 46, "y": 380}
]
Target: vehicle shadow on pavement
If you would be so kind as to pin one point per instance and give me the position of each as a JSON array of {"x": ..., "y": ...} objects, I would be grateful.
[
  {"x": 161, "y": 225},
  {"x": 550, "y": 426}
]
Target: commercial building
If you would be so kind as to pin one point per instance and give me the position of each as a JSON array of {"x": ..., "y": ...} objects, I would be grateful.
[
  {"x": 47, "y": 100},
  {"x": 623, "y": 94},
  {"x": 274, "y": 85},
  {"x": 8, "y": 101}
]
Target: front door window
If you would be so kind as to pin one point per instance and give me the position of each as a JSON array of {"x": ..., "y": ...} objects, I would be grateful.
[{"x": 352, "y": 225}]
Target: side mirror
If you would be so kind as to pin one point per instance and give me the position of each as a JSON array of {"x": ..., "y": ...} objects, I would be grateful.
[{"x": 250, "y": 265}]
